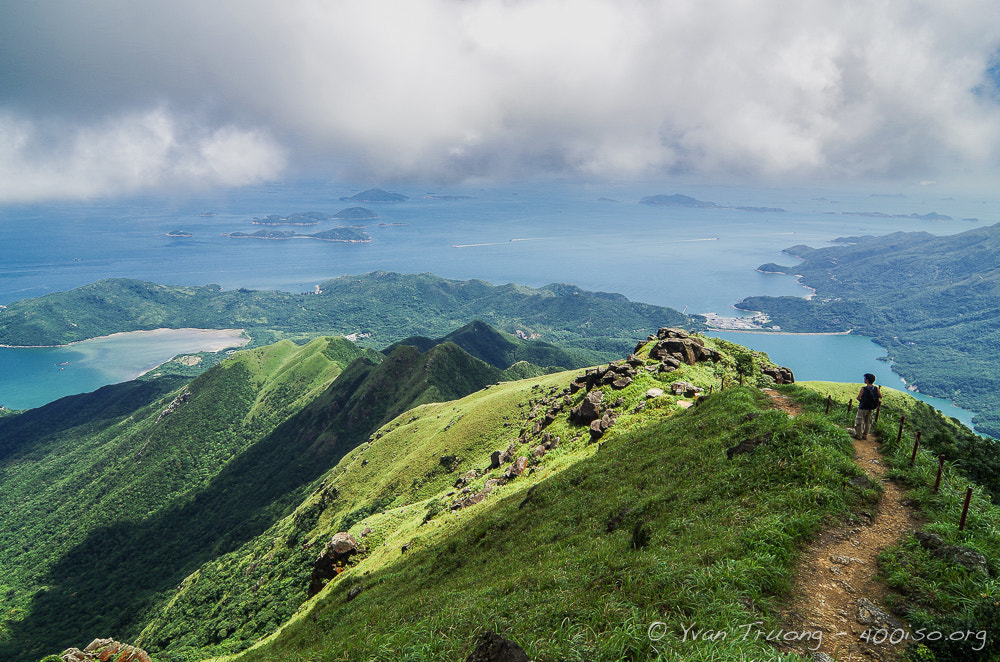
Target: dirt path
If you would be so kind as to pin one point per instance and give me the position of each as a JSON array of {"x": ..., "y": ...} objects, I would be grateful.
[{"x": 835, "y": 592}]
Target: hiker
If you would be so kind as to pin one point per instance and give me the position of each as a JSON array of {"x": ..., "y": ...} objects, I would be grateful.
[{"x": 868, "y": 401}]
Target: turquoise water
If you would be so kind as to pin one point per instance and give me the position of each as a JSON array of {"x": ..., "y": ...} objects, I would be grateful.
[
  {"x": 836, "y": 358},
  {"x": 596, "y": 236},
  {"x": 33, "y": 376}
]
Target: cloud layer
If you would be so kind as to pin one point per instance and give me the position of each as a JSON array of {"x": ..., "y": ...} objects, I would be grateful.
[{"x": 98, "y": 98}]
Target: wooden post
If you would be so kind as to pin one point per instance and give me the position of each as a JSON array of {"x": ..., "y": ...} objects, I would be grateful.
[
  {"x": 829, "y": 399},
  {"x": 878, "y": 410},
  {"x": 965, "y": 508},
  {"x": 916, "y": 445},
  {"x": 850, "y": 403},
  {"x": 937, "y": 482},
  {"x": 899, "y": 437}
]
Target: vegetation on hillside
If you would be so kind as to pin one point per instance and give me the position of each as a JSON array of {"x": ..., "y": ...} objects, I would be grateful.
[
  {"x": 687, "y": 514},
  {"x": 930, "y": 301},
  {"x": 388, "y": 306},
  {"x": 199, "y": 468}
]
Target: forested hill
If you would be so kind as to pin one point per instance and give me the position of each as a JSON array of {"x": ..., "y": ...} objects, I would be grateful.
[
  {"x": 389, "y": 306},
  {"x": 930, "y": 301}
]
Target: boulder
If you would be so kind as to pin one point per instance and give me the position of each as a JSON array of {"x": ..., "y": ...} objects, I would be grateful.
[
  {"x": 331, "y": 560},
  {"x": 101, "y": 650},
  {"x": 619, "y": 384},
  {"x": 686, "y": 349},
  {"x": 670, "y": 332},
  {"x": 967, "y": 557},
  {"x": 516, "y": 469},
  {"x": 589, "y": 409},
  {"x": 491, "y": 647},
  {"x": 779, "y": 374}
]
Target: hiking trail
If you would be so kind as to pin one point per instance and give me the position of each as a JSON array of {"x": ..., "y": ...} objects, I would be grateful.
[{"x": 835, "y": 591}]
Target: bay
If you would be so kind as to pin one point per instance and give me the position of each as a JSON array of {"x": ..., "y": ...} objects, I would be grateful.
[
  {"x": 594, "y": 235},
  {"x": 33, "y": 376},
  {"x": 836, "y": 358}
]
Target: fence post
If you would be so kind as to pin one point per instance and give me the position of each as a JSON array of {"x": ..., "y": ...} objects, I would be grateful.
[
  {"x": 850, "y": 403},
  {"x": 899, "y": 437},
  {"x": 937, "y": 483},
  {"x": 829, "y": 399},
  {"x": 916, "y": 445},
  {"x": 878, "y": 410},
  {"x": 965, "y": 508}
]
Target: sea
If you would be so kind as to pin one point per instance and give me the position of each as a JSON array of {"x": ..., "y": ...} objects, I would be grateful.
[{"x": 595, "y": 235}]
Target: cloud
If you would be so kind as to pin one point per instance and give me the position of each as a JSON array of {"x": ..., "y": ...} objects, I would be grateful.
[
  {"x": 128, "y": 153},
  {"x": 458, "y": 89}
]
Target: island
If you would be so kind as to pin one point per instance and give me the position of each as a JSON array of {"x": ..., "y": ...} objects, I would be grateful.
[
  {"x": 376, "y": 195},
  {"x": 354, "y": 214},
  {"x": 179, "y": 233},
  {"x": 351, "y": 235},
  {"x": 678, "y": 200},
  {"x": 929, "y": 216}
]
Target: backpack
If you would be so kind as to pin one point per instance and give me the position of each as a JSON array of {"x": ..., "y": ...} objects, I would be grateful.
[{"x": 870, "y": 396}]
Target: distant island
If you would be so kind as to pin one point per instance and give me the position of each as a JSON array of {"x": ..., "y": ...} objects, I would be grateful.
[
  {"x": 179, "y": 233},
  {"x": 314, "y": 217},
  {"x": 930, "y": 216},
  {"x": 376, "y": 195},
  {"x": 341, "y": 234},
  {"x": 447, "y": 197},
  {"x": 678, "y": 200}
]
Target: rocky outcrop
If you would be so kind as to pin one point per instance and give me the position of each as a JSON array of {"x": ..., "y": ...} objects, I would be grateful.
[
  {"x": 967, "y": 557},
  {"x": 491, "y": 647},
  {"x": 181, "y": 398},
  {"x": 678, "y": 345},
  {"x": 103, "y": 650},
  {"x": 332, "y": 560},
  {"x": 588, "y": 410},
  {"x": 779, "y": 374}
]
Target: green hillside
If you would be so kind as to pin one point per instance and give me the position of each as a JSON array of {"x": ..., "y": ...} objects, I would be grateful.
[
  {"x": 85, "y": 495},
  {"x": 594, "y": 542},
  {"x": 503, "y": 350},
  {"x": 200, "y": 468},
  {"x": 930, "y": 301},
  {"x": 388, "y": 306},
  {"x": 501, "y": 508}
]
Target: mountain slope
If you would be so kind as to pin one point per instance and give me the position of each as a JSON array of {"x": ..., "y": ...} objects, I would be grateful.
[
  {"x": 389, "y": 306},
  {"x": 614, "y": 551},
  {"x": 574, "y": 558},
  {"x": 930, "y": 301},
  {"x": 83, "y": 498},
  {"x": 201, "y": 471},
  {"x": 503, "y": 350}
]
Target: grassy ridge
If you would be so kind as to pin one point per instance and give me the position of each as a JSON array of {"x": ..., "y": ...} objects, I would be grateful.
[
  {"x": 91, "y": 480},
  {"x": 574, "y": 558}
]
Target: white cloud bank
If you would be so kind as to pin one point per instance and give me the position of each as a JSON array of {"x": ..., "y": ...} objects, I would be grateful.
[
  {"x": 128, "y": 153},
  {"x": 456, "y": 89}
]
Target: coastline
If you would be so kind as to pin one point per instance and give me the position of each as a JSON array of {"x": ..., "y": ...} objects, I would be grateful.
[
  {"x": 222, "y": 334},
  {"x": 763, "y": 332}
]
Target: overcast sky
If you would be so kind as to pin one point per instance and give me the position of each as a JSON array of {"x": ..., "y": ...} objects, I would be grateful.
[{"x": 106, "y": 97}]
